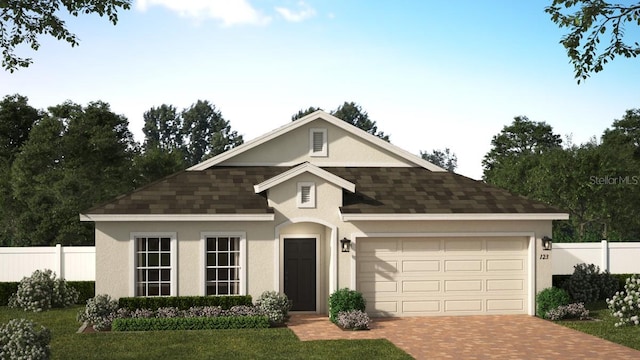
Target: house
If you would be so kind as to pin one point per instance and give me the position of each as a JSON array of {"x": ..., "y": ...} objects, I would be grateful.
[{"x": 318, "y": 205}]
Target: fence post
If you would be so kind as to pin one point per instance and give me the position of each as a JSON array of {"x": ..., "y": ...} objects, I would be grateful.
[
  {"x": 605, "y": 255},
  {"x": 57, "y": 261}
]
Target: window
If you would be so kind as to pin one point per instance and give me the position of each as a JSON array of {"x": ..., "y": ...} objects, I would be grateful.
[
  {"x": 155, "y": 261},
  {"x": 306, "y": 195},
  {"x": 318, "y": 142},
  {"x": 224, "y": 264}
]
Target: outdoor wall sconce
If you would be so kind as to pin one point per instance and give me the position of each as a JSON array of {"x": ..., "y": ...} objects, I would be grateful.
[
  {"x": 345, "y": 244},
  {"x": 546, "y": 243}
]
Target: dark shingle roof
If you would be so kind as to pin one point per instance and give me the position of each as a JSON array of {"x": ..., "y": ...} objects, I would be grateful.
[{"x": 379, "y": 190}]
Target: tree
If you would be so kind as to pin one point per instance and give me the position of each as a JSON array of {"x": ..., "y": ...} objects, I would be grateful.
[
  {"x": 514, "y": 151},
  {"x": 75, "y": 157},
  {"x": 17, "y": 118},
  {"x": 22, "y": 21},
  {"x": 442, "y": 158},
  {"x": 206, "y": 132},
  {"x": 351, "y": 113},
  {"x": 596, "y": 17},
  {"x": 163, "y": 128}
]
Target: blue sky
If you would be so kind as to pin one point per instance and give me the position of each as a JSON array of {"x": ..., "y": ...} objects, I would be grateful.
[{"x": 432, "y": 74}]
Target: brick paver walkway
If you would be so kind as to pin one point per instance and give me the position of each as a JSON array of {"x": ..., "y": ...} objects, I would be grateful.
[{"x": 471, "y": 337}]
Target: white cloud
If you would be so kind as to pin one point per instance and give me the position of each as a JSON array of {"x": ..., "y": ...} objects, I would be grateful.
[
  {"x": 304, "y": 13},
  {"x": 229, "y": 12}
]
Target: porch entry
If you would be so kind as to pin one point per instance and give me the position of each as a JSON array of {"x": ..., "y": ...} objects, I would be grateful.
[{"x": 300, "y": 273}]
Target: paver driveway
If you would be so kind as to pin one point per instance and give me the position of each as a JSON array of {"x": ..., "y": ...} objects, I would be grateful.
[{"x": 472, "y": 337}]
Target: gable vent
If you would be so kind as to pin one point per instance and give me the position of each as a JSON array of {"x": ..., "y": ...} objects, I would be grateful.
[
  {"x": 318, "y": 142},
  {"x": 305, "y": 194}
]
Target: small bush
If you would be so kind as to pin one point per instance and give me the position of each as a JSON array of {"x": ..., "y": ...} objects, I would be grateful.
[
  {"x": 345, "y": 300},
  {"x": 100, "y": 312},
  {"x": 353, "y": 319},
  {"x": 275, "y": 306},
  {"x": 203, "y": 311},
  {"x": 587, "y": 284},
  {"x": 23, "y": 339},
  {"x": 625, "y": 305},
  {"x": 550, "y": 298},
  {"x": 183, "y": 302},
  {"x": 202, "y": 323},
  {"x": 571, "y": 311},
  {"x": 42, "y": 291}
]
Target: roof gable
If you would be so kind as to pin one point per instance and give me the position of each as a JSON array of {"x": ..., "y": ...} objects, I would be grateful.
[
  {"x": 354, "y": 132},
  {"x": 305, "y": 168}
]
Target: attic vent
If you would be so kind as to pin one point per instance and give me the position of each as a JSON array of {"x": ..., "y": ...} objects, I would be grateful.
[
  {"x": 318, "y": 142},
  {"x": 306, "y": 195}
]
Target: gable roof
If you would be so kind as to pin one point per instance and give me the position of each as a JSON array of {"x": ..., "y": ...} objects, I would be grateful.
[
  {"x": 417, "y": 161},
  {"x": 412, "y": 193},
  {"x": 301, "y": 169}
]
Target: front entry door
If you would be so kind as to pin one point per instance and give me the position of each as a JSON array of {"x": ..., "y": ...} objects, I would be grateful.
[{"x": 300, "y": 273}]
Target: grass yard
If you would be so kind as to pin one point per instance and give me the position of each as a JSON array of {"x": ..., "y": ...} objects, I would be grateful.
[
  {"x": 627, "y": 335},
  {"x": 278, "y": 343}
]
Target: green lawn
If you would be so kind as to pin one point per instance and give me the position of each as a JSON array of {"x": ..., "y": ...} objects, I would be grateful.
[
  {"x": 625, "y": 335},
  {"x": 278, "y": 343}
]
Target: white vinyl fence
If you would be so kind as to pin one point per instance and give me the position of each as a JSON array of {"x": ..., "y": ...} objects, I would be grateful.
[
  {"x": 73, "y": 263},
  {"x": 78, "y": 263},
  {"x": 617, "y": 257}
]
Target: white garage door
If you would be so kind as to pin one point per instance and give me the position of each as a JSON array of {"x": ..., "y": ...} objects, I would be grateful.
[{"x": 443, "y": 276}]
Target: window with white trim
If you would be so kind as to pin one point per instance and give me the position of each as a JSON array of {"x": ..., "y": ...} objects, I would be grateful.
[
  {"x": 318, "y": 142},
  {"x": 155, "y": 262},
  {"x": 306, "y": 197},
  {"x": 223, "y": 265}
]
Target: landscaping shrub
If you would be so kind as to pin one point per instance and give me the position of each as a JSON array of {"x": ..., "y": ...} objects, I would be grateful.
[
  {"x": 345, "y": 300},
  {"x": 42, "y": 291},
  {"x": 23, "y": 339},
  {"x": 202, "y": 323},
  {"x": 6, "y": 290},
  {"x": 183, "y": 302},
  {"x": 86, "y": 290},
  {"x": 353, "y": 319},
  {"x": 587, "y": 284},
  {"x": 275, "y": 306},
  {"x": 571, "y": 311},
  {"x": 100, "y": 312},
  {"x": 550, "y": 298},
  {"x": 625, "y": 305}
]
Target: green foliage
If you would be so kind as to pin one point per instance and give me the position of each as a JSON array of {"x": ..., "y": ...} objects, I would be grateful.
[
  {"x": 99, "y": 312},
  {"x": 183, "y": 302},
  {"x": 23, "y": 339},
  {"x": 23, "y": 21},
  {"x": 353, "y": 114},
  {"x": 571, "y": 311},
  {"x": 86, "y": 290},
  {"x": 550, "y": 298},
  {"x": 445, "y": 159},
  {"x": 587, "y": 284},
  {"x": 276, "y": 306},
  {"x": 42, "y": 291},
  {"x": 625, "y": 305},
  {"x": 7, "y": 289},
  {"x": 203, "y": 323},
  {"x": 345, "y": 299},
  {"x": 595, "y": 18}
]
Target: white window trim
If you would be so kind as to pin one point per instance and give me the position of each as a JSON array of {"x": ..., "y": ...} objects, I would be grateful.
[
  {"x": 133, "y": 259},
  {"x": 324, "y": 152},
  {"x": 243, "y": 258},
  {"x": 312, "y": 195}
]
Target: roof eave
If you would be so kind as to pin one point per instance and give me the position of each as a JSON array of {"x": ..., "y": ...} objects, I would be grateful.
[{"x": 449, "y": 217}]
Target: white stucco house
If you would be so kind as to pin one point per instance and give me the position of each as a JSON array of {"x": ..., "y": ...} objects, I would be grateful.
[{"x": 318, "y": 205}]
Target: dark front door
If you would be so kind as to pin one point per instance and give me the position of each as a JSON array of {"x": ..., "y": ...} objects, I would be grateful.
[{"x": 300, "y": 273}]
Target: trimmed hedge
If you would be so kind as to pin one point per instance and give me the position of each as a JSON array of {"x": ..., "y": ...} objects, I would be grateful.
[
  {"x": 6, "y": 290},
  {"x": 183, "y": 302},
  {"x": 87, "y": 290},
  {"x": 200, "y": 323},
  {"x": 559, "y": 280}
]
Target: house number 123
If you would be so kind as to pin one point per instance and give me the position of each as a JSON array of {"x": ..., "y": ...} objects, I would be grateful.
[{"x": 544, "y": 256}]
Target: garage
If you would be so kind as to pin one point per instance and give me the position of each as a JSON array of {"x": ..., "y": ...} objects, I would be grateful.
[{"x": 422, "y": 276}]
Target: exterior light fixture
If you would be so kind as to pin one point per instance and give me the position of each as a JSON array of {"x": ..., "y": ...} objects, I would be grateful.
[
  {"x": 345, "y": 244},
  {"x": 546, "y": 243}
]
